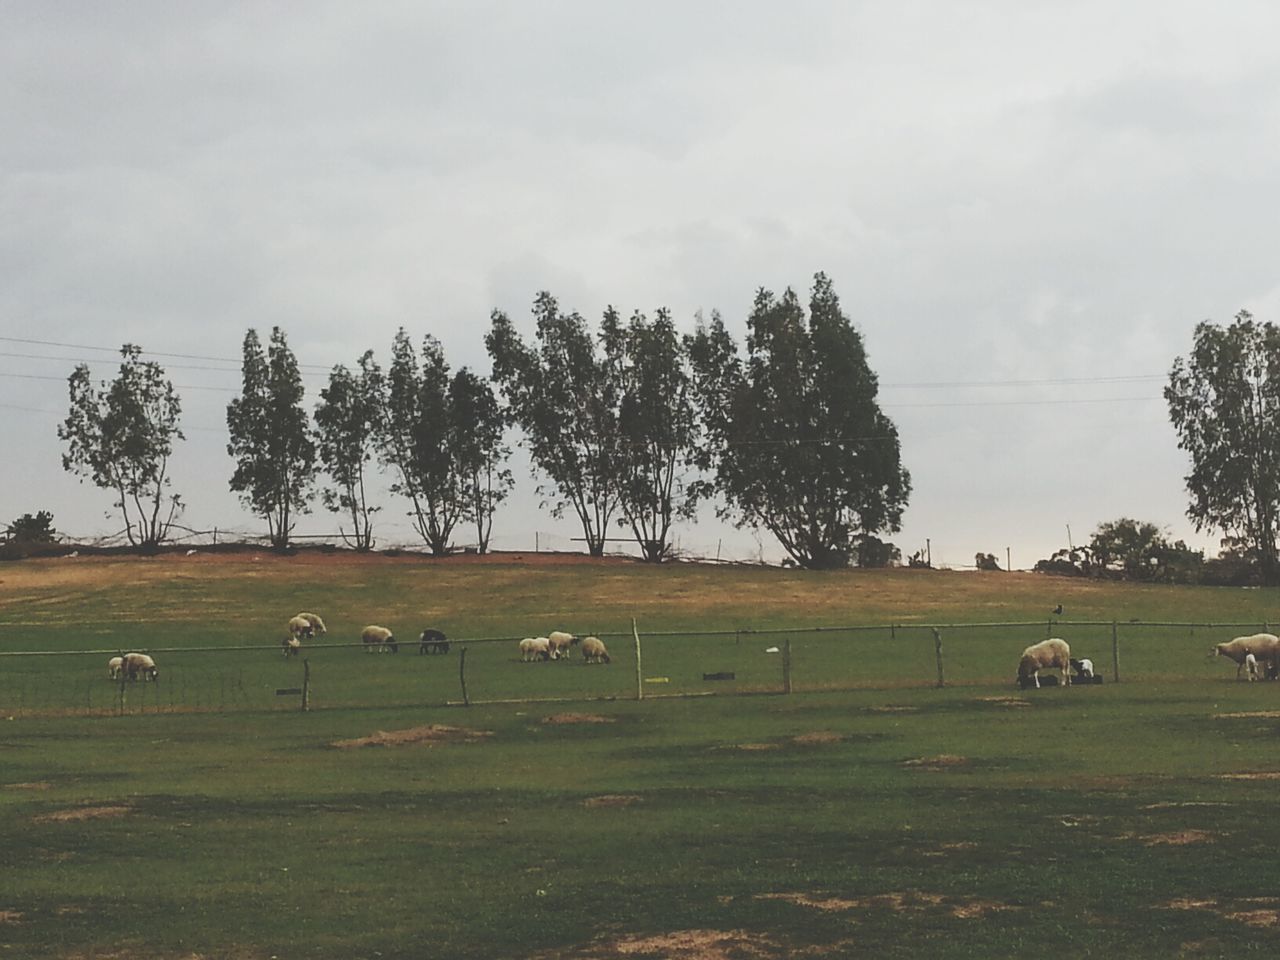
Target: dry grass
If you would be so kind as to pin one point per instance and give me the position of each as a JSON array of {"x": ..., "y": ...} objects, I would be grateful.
[
  {"x": 78, "y": 814},
  {"x": 430, "y": 735}
]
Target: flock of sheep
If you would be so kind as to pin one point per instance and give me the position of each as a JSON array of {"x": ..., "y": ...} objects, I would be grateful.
[
  {"x": 1256, "y": 656},
  {"x": 558, "y": 645}
]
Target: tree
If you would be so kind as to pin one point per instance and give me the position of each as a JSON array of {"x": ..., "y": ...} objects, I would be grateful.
[
  {"x": 348, "y": 418},
  {"x": 565, "y": 399},
  {"x": 270, "y": 436},
  {"x": 797, "y": 441},
  {"x": 657, "y": 424},
  {"x": 417, "y": 440},
  {"x": 121, "y": 437},
  {"x": 1224, "y": 402},
  {"x": 32, "y": 529},
  {"x": 479, "y": 424}
]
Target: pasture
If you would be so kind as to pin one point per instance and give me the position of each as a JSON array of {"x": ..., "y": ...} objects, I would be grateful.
[{"x": 868, "y": 814}]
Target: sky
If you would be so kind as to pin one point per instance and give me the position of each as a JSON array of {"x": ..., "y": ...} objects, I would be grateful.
[{"x": 1025, "y": 208}]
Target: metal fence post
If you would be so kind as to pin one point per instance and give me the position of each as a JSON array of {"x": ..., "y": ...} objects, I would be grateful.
[
  {"x": 1115, "y": 652},
  {"x": 306, "y": 685},
  {"x": 462, "y": 675},
  {"x": 786, "y": 666},
  {"x": 635, "y": 632},
  {"x": 937, "y": 652}
]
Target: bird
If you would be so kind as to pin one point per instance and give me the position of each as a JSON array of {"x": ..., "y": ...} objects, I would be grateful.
[{"x": 1058, "y": 609}]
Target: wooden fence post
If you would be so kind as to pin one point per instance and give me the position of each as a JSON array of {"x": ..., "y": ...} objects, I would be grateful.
[
  {"x": 937, "y": 651},
  {"x": 1115, "y": 652},
  {"x": 462, "y": 675},
  {"x": 306, "y": 685},
  {"x": 786, "y": 666},
  {"x": 635, "y": 632}
]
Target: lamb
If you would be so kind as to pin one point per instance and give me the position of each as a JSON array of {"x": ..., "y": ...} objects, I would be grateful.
[
  {"x": 593, "y": 650},
  {"x": 291, "y": 646},
  {"x": 1042, "y": 656},
  {"x": 137, "y": 665},
  {"x": 1251, "y": 666},
  {"x": 1265, "y": 648},
  {"x": 1083, "y": 667},
  {"x": 379, "y": 638},
  {"x": 115, "y": 667},
  {"x": 535, "y": 648},
  {"x": 432, "y": 641},
  {"x": 560, "y": 643}
]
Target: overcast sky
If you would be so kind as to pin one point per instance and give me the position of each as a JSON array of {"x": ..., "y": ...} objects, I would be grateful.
[{"x": 1024, "y": 206}]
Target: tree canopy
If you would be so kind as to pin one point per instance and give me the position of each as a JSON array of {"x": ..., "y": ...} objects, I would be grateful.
[
  {"x": 797, "y": 441},
  {"x": 348, "y": 418}
]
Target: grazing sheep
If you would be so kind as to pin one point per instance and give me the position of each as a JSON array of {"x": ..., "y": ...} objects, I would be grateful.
[
  {"x": 432, "y": 641},
  {"x": 378, "y": 638},
  {"x": 115, "y": 666},
  {"x": 561, "y": 643},
  {"x": 300, "y": 627},
  {"x": 1083, "y": 667},
  {"x": 317, "y": 625},
  {"x": 291, "y": 646},
  {"x": 1046, "y": 654},
  {"x": 535, "y": 648},
  {"x": 1251, "y": 666},
  {"x": 593, "y": 650},
  {"x": 1265, "y": 648},
  {"x": 137, "y": 665}
]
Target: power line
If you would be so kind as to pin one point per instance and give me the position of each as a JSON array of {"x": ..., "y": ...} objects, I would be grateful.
[{"x": 152, "y": 353}]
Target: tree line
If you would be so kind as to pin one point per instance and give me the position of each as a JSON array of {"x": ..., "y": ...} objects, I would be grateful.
[{"x": 629, "y": 424}]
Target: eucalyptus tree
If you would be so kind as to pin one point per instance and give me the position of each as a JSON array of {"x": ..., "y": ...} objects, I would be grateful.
[
  {"x": 479, "y": 451},
  {"x": 270, "y": 436},
  {"x": 417, "y": 440},
  {"x": 120, "y": 436},
  {"x": 796, "y": 438},
  {"x": 657, "y": 424},
  {"x": 1224, "y": 403},
  {"x": 565, "y": 399},
  {"x": 347, "y": 423}
]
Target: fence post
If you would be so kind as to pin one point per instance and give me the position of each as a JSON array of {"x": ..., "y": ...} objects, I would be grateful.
[
  {"x": 462, "y": 675},
  {"x": 786, "y": 666},
  {"x": 306, "y": 685},
  {"x": 639, "y": 673},
  {"x": 937, "y": 651},
  {"x": 1115, "y": 652}
]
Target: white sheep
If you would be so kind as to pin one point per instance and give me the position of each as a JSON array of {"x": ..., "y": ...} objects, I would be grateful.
[
  {"x": 1251, "y": 666},
  {"x": 300, "y": 627},
  {"x": 291, "y": 646},
  {"x": 535, "y": 648},
  {"x": 593, "y": 650},
  {"x": 379, "y": 638},
  {"x": 137, "y": 665},
  {"x": 115, "y": 666},
  {"x": 561, "y": 643},
  {"x": 1083, "y": 667},
  {"x": 317, "y": 625},
  {"x": 1264, "y": 647},
  {"x": 1046, "y": 654}
]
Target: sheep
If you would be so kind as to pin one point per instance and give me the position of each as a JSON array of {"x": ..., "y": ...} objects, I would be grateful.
[
  {"x": 1265, "y": 648},
  {"x": 593, "y": 650},
  {"x": 1251, "y": 666},
  {"x": 1042, "y": 656},
  {"x": 432, "y": 641},
  {"x": 317, "y": 625},
  {"x": 560, "y": 643},
  {"x": 1083, "y": 667},
  {"x": 291, "y": 646},
  {"x": 115, "y": 667},
  {"x": 535, "y": 648},
  {"x": 137, "y": 665},
  {"x": 300, "y": 627},
  {"x": 379, "y": 638}
]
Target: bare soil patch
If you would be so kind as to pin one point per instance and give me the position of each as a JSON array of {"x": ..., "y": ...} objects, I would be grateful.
[
  {"x": 941, "y": 762},
  {"x": 612, "y": 800},
  {"x": 430, "y": 735},
  {"x": 1179, "y": 838},
  {"x": 10, "y": 917},
  {"x": 1005, "y": 701},
  {"x": 683, "y": 945},
  {"x": 1256, "y": 775},
  {"x": 34, "y": 785},
  {"x": 1258, "y": 912},
  {"x": 558, "y": 719},
  {"x": 83, "y": 813},
  {"x": 1249, "y": 715},
  {"x": 817, "y": 737},
  {"x": 893, "y": 709},
  {"x": 963, "y": 908}
]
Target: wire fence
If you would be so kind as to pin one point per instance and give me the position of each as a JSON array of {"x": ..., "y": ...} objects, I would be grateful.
[{"x": 641, "y": 665}]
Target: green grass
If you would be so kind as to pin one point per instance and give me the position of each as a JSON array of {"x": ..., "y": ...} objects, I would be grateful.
[{"x": 891, "y": 819}]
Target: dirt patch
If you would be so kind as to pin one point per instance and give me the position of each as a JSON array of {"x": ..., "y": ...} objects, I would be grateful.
[
  {"x": 962, "y": 908},
  {"x": 949, "y": 848},
  {"x": 892, "y": 709},
  {"x": 83, "y": 813},
  {"x": 612, "y": 800},
  {"x": 941, "y": 762},
  {"x": 1258, "y": 912},
  {"x": 431, "y": 734},
  {"x": 817, "y": 737},
  {"x": 1249, "y": 715},
  {"x": 754, "y": 747},
  {"x": 35, "y": 785},
  {"x": 557, "y": 719},
  {"x": 1258, "y": 775},
  {"x": 1005, "y": 701},
  {"x": 1180, "y": 838},
  {"x": 10, "y": 917},
  {"x": 683, "y": 945}
]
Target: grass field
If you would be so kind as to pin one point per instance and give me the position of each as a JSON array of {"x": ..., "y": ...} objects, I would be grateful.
[{"x": 890, "y": 819}]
